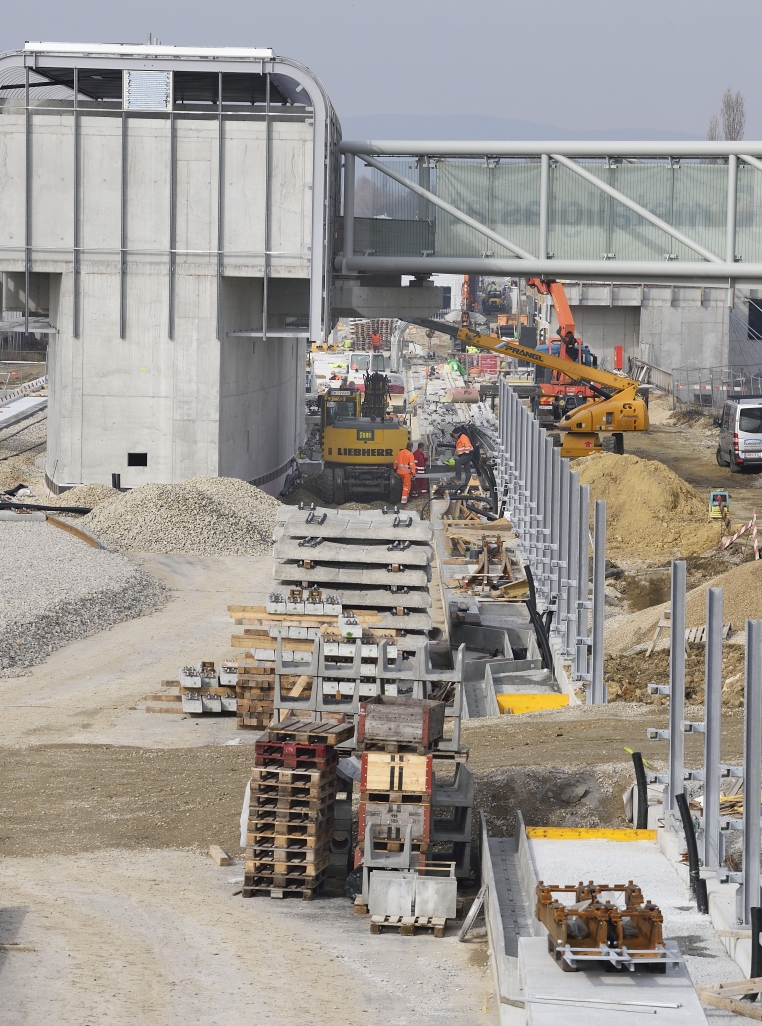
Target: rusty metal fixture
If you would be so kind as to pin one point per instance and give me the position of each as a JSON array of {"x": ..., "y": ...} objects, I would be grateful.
[{"x": 602, "y": 923}]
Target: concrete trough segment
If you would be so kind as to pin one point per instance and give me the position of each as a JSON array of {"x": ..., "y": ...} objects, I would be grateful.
[
  {"x": 355, "y": 554},
  {"x": 370, "y": 577}
]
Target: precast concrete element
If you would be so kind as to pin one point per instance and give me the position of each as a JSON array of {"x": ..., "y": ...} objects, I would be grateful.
[
  {"x": 179, "y": 204},
  {"x": 550, "y": 514}
]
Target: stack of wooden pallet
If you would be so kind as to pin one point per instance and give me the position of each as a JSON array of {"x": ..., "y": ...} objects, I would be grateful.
[
  {"x": 254, "y": 693},
  {"x": 291, "y": 808},
  {"x": 363, "y": 329}
]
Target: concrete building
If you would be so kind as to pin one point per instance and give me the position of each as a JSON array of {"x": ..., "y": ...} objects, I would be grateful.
[{"x": 169, "y": 211}]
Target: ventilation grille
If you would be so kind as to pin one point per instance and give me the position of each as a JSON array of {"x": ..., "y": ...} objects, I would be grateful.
[{"x": 147, "y": 90}]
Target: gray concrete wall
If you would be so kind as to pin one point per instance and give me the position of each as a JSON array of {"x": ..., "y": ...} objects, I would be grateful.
[
  {"x": 603, "y": 327},
  {"x": 684, "y": 331},
  {"x": 195, "y": 404}
]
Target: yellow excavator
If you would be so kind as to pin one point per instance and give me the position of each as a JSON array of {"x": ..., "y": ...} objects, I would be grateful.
[{"x": 616, "y": 409}]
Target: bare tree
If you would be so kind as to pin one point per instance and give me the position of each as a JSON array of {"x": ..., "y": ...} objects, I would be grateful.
[
  {"x": 713, "y": 134},
  {"x": 733, "y": 115}
]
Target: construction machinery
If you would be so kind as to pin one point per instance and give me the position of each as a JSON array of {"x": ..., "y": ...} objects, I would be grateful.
[
  {"x": 359, "y": 442},
  {"x": 492, "y": 300},
  {"x": 614, "y": 409},
  {"x": 557, "y": 393}
]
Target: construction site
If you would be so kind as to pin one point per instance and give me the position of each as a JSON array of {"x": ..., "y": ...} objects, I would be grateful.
[{"x": 381, "y": 630}]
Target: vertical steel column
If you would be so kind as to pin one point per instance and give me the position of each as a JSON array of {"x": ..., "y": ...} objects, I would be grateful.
[
  {"x": 562, "y": 561},
  {"x": 123, "y": 226},
  {"x": 220, "y": 188},
  {"x": 582, "y": 671},
  {"x": 349, "y": 208},
  {"x": 752, "y": 719},
  {"x": 171, "y": 270},
  {"x": 597, "y": 686},
  {"x": 555, "y": 519},
  {"x": 544, "y": 207},
  {"x": 730, "y": 223},
  {"x": 712, "y": 726},
  {"x": 523, "y": 498},
  {"x": 27, "y": 198},
  {"x": 676, "y": 783},
  {"x": 534, "y": 467},
  {"x": 547, "y": 517},
  {"x": 572, "y": 572},
  {"x": 75, "y": 233},
  {"x": 424, "y": 180},
  {"x": 268, "y": 211}
]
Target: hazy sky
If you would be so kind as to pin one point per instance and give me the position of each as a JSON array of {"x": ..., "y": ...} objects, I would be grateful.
[{"x": 589, "y": 65}]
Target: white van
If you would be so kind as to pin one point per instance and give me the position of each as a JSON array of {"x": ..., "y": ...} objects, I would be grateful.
[{"x": 740, "y": 443}]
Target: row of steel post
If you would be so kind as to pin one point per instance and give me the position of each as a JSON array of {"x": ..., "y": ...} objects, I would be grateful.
[
  {"x": 715, "y": 827},
  {"x": 549, "y": 511}
]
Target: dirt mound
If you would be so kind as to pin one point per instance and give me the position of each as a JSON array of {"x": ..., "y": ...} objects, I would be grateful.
[
  {"x": 651, "y": 513},
  {"x": 628, "y": 677},
  {"x": 204, "y": 516}
]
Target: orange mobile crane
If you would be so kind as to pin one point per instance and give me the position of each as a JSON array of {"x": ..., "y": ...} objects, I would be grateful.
[
  {"x": 557, "y": 391},
  {"x": 614, "y": 409}
]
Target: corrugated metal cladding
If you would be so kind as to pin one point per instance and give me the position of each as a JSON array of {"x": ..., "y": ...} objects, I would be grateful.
[
  {"x": 584, "y": 223},
  {"x": 147, "y": 90}
]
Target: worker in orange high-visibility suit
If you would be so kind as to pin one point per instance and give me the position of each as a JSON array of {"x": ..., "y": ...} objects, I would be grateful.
[
  {"x": 405, "y": 466},
  {"x": 376, "y": 342},
  {"x": 463, "y": 455}
]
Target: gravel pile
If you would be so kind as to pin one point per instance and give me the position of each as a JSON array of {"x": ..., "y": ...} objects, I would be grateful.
[
  {"x": 57, "y": 589},
  {"x": 204, "y": 516},
  {"x": 86, "y": 495}
]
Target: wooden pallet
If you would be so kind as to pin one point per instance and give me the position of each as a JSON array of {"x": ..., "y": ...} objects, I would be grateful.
[
  {"x": 297, "y": 826},
  {"x": 295, "y": 851},
  {"x": 383, "y": 844},
  {"x": 395, "y": 798},
  {"x": 407, "y": 925},
  {"x": 311, "y": 731},
  {"x": 266, "y": 803},
  {"x": 299, "y": 778},
  {"x": 291, "y": 867}
]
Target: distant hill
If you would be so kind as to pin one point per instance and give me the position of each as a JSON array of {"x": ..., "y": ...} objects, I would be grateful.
[{"x": 481, "y": 127}]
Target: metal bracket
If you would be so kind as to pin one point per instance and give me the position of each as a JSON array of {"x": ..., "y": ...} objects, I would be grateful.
[
  {"x": 731, "y": 771},
  {"x": 694, "y": 774},
  {"x": 653, "y": 734},
  {"x": 693, "y": 728},
  {"x": 658, "y": 689}
]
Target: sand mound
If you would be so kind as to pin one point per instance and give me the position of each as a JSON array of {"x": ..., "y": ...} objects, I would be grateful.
[
  {"x": 86, "y": 495},
  {"x": 203, "y": 516},
  {"x": 651, "y": 513}
]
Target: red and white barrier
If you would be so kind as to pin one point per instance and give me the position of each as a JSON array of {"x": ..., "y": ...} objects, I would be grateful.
[{"x": 751, "y": 525}]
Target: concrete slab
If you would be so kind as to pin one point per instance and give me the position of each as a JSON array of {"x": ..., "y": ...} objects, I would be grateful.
[
  {"x": 358, "y": 527},
  {"x": 378, "y": 598},
  {"x": 21, "y": 408},
  {"x": 597, "y": 998}
]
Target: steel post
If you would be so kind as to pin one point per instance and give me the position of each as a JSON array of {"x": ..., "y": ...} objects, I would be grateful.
[
  {"x": 730, "y": 225},
  {"x": 547, "y": 515},
  {"x": 712, "y": 726},
  {"x": 349, "y": 205},
  {"x": 572, "y": 571},
  {"x": 544, "y": 204},
  {"x": 597, "y": 686},
  {"x": 555, "y": 519},
  {"x": 676, "y": 782},
  {"x": 562, "y": 561},
  {"x": 752, "y": 784},
  {"x": 583, "y": 584}
]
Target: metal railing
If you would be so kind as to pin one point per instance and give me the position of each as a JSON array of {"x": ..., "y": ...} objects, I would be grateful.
[
  {"x": 549, "y": 511},
  {"x": 715, "y": 827},
  {"x": 707, "y": 388}
]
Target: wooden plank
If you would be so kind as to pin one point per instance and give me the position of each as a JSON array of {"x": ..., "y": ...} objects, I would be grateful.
[
  {"x": 734, "y": 988},
  {"x": 743, "y": 1008},
  {"x": 219, "y": 855},
  {"x": 64, "y": 525}
]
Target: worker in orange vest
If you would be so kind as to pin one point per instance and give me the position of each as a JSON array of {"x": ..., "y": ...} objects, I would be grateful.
[
  {"x": 375, "y": 341},
  {"x": 463, "y": 454},
  {"x": 405, "y": 466}
]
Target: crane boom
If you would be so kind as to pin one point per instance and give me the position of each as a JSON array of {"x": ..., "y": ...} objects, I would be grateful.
[
  {"x": 507, "y": 347},
  {"x": 555, "y": 290}
]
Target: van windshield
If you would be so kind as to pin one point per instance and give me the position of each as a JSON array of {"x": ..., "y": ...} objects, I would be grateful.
[{"x": 750, "y": 419}]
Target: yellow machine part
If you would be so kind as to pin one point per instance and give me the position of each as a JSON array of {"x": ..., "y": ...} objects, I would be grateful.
[
  {"x": 623, "y": 412},
  {"x": 371, "y": 444},
  {"x": 525, "y": 703},
  {"x": 586, "y": 833}
]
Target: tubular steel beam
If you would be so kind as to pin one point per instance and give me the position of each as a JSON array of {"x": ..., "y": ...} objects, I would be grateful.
[
  {"x": 123, "y": 225},
  {"x": 27, "y": 198},
  {"x": 544, "y": 204},
  {"x": 171, "y": 270},
  {"x": 682, "y": 272},
  {"x": 447, "y": 207},
  {"x": 585, "y": 148},
  {"x": 349, "y": 204},
  {"x": 636, "y": 208},
  {"x": 268, "y": 211}
]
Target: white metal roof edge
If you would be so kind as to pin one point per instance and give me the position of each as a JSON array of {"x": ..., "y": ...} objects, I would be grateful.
[{"x": 138, "y": 50}]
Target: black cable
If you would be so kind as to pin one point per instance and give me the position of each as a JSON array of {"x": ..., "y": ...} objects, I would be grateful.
[
  {"x": 690, "y": 841},
  {"x": 640, "y": 780}
]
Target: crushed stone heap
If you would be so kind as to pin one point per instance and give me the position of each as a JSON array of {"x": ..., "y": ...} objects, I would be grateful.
[
  {"x": 651, "y": 513},
  {"x": 204, "y": 516}
]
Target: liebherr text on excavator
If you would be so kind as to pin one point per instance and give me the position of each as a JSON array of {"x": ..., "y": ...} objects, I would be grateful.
[{"x": 616, "y": 410}]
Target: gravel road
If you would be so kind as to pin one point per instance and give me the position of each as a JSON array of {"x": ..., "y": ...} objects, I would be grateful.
[{"x": 56, "y": 589}]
